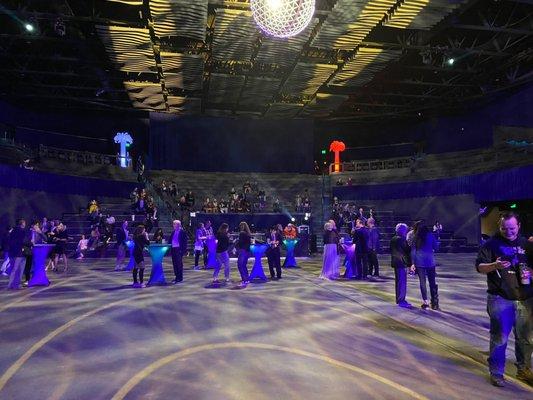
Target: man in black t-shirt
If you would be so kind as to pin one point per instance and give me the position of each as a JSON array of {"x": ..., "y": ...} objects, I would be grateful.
[{"x": 509, "y": 299}]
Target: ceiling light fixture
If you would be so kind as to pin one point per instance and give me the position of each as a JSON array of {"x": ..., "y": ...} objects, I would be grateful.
[
  {"x": 282, "y": 18},
  {"x": 29, "y": 27}
]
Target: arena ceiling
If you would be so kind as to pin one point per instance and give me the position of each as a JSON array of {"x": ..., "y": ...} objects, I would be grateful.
[{"x": 358, "y": 59}]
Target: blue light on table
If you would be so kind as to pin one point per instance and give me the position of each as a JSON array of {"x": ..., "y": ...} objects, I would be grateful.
[
  {"x": 157, "y": 252},
  {"x": 290, "y": 261}
]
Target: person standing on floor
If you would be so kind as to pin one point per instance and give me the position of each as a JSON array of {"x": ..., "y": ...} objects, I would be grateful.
[
  {"x": 331, "y": 264},
  {"x": 243, "y": 246},
  {"x": 122, "y": 235},
  {"x": 140, "y": 240},
  {"x": 178, "y": 243},
  {"x": 208, "y": 233},
  {"x": 274, "y": 252},
  {"x": 17, "y": 240},
  {"x": 199, "y": 244},
  {"x": 400, "y": 261},
  {"x": 506, "y": 259},
  {"x": 222, "y": 253},
  {"x": 373, "y": 247},
  {"x": 36, "y": 237},
  {"x": 423, "y": 257},
  {"x": 360, "y": 238}
]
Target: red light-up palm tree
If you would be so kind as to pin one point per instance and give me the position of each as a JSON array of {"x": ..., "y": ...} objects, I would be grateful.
[{"x": 336, "y": 147}]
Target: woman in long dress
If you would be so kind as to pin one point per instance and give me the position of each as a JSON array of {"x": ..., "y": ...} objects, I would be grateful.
[{"x": 330, "y": 268}]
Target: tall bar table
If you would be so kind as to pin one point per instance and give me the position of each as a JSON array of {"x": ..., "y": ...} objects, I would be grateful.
[
  {"x": 211, "y": 243},
  {"x": 290, "y": 261},
  {"x": 157, "y": 252},
  {"x": 349, "y": 249},
  {"x": 258, "y": 250},
  {"x": 130, "y": 245},
  {"x": 40, "y": 253}
]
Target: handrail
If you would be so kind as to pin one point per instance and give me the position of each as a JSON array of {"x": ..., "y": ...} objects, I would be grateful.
[
  {"x": 371, "y": 165},
  {"x": 84, "y": 157}
]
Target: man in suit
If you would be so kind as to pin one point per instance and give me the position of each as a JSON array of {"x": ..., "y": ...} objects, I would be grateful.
[
  {"x": 400, "y": 261},
  {"x": 178, "y": 243},
  {"x": 373, "y": 247},
  {"x": 274, "y": 252},
  {"x": 360, "y": 238}
]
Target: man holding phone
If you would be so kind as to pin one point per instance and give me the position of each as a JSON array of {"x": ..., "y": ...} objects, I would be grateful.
[{"x": 504, "y": 260}]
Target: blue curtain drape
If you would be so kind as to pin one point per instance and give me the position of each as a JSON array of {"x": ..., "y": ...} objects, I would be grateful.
[
  {"x": 15, "y": 177},
  {"x": 510, "y": 184}
]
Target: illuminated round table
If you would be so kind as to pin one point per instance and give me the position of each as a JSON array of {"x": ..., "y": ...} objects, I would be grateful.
[
  {"x": 157, "y": 252},
  {"x": 258, "y": 251},
  {"x": 290, "y": 261},
  {"x": 349, "y": 249},
  {"x": 130, "y": 245},
  {"x": 40, "y": 254},
  {"x": 211, "y": 244}
]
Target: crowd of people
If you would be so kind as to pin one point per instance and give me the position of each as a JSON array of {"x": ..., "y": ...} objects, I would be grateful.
[
  {"x": 248, "y": 198},
  {"x": 17, "y": 243},
  {"x": 411, "y": 250}
]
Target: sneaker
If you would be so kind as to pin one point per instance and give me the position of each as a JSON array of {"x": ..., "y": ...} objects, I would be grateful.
[
  {"x": 525, "y": 375},
  {"x": 136, "y": 285},
  {"x": 435, "y": 307},
  {"x": 4, "y": 273},
  {"x": 424, "y": 306},
  {"x": 404, "y": 304},
  {"x": 143, "y": 285},
  {"x": 497, "y": 380},
  {"x": 197, "y": 268}
]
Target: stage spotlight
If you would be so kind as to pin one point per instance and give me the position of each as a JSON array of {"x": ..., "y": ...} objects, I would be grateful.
[
  {"x": 450, "y": 61},
  {"x": 29, "y": 27},
  {"x": 293, "y": 219}
]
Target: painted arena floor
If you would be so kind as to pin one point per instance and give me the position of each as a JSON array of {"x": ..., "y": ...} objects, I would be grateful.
[{"x": 89, "y": 335}]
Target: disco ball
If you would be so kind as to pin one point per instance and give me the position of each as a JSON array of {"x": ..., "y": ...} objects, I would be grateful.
[{"x": 282, "y": 18}]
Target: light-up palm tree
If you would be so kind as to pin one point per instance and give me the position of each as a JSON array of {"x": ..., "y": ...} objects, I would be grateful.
[
  {"x": 124, "y": 139},
  {"x": 336, "y": 147}
]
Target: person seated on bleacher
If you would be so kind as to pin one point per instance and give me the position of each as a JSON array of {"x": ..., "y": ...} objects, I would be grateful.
[
  {"x": 134, "y": 196},
  {"x": 223, "y": 206},
  {"x": 164, "y": 187},
  {"x": 214, "y": 206},
  {"x": 205, "y": 205},
  {"x": 290, "y": 232},
  {"x": 190, "y": 199},
  {"x": 26, "y": 164},
  {"x": 173, "y": 191},
  {"x": 94, "y": 239},
  {"x": 94, "y": 210},
  {"x": 276, "y": 206}
]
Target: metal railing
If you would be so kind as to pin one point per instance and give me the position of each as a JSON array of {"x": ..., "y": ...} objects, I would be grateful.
[
  {"x": 82, "y": 157},
  {"x": 372, "y": 165}
]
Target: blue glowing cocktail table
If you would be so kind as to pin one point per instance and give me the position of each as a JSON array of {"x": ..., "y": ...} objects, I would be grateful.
[
  {"x": 40, "y": 254},
  {"x": 290, "y": 261},
  {"x": 130, "y": 245},
  {"x": 349, "y": 249},
  {"x": 258, "y": 250},
  {"x": 157, "y": 252},
  {"x": 211, "y": 244}
]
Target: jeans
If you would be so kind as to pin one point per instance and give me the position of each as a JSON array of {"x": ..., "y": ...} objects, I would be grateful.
[
  {"x": 242, "y": 260},
  {"x": 223, "y": 259},
  {"x": 430, "y": 273},
  {"x": 400, "y": 284},
  {"x": 15, "y": 278},
  {"x": 273, "y": 257},
  {"x": 506, "y": 315}
]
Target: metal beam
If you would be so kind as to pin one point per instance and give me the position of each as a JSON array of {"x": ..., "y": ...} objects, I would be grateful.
[
  {"x": 488, "y": 28},
  {"x": 387, "y": 45}
]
